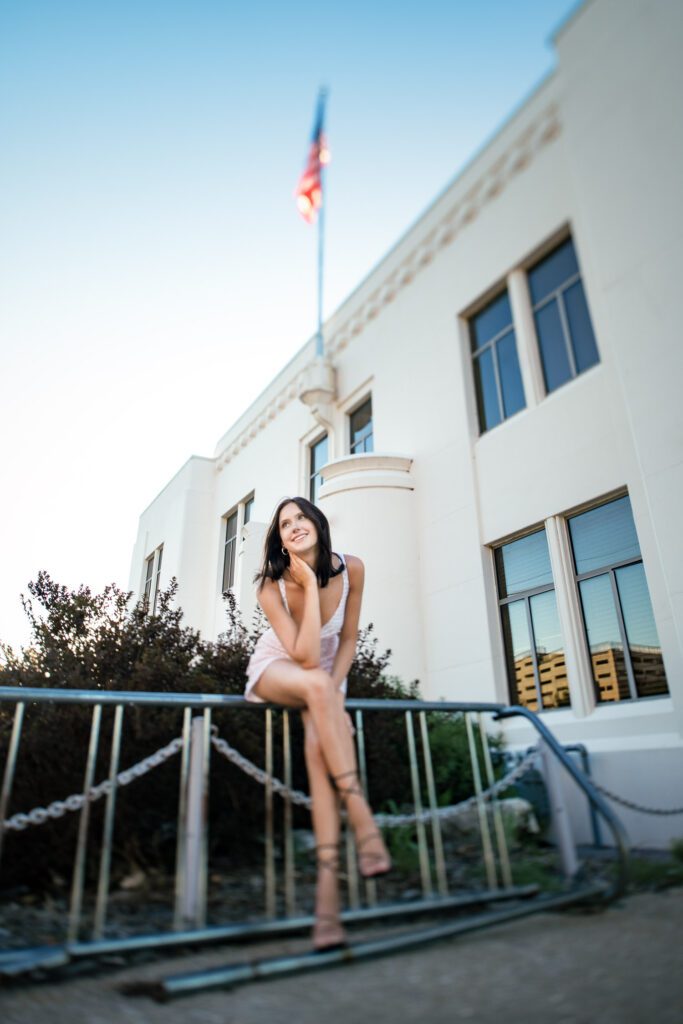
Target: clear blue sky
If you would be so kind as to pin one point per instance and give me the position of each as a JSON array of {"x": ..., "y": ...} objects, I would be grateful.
[{"x": 154, "y": 272}]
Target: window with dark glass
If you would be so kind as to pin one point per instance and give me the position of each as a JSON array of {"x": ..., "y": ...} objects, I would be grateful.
[
  {"x": 361, "y": 428},
  {"x": 149, "y": 576},
  {"x": 318, "y": 457},
  {"x": 625, "y": 652},
  {"x": 248, "y": 509},
  {"x": 563, "y": 323},
  {"x": 497, "y": 378},
  {"x": 157, "y": 579},
  {"x": 534, "y": 651},
  {"x": 230, "y": 554}
]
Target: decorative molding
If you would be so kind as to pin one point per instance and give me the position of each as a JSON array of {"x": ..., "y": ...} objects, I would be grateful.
[
  {"x": 519, "y": 155},
  {"x": 495, "y": 179},
  {"x": 289, "y": 392},
  {"x": 367, "y": 470}
]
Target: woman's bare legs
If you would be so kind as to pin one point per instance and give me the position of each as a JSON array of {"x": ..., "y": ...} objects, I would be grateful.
[
  {"x": 285, "y": 682},
  {"x": 328, "y": 929}
]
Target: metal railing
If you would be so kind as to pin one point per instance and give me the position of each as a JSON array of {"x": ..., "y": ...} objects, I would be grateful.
[{"x": 191, "y": 888}]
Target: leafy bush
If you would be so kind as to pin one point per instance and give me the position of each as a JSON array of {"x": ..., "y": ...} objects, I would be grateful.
[{"x": 86, "y": 641}]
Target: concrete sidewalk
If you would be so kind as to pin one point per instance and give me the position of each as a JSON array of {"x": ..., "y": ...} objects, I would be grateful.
[{"x": 621, "y": 966}]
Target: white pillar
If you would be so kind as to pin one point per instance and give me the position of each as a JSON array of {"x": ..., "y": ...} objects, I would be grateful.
[
  {"x": 527, "y": 342},
  {"x": 579, "y": 668},
  {"x": 370, "y": 502}
]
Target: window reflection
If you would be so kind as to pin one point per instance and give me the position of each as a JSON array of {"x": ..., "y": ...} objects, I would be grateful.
[
  {"x": 534, "y": 650},
  {"x": 518, "y": 654},
  {"x": 622, "y": 636},
  {"x": 604, "y": 639},
  {"x": 552, "y": 668},
  {"x": 641, "y": 632}
]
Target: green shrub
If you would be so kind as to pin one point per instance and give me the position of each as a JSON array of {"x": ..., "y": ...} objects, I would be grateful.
[{"x": 81, "y": 640}]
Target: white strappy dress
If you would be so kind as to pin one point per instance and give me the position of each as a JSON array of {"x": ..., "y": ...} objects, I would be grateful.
[{"x": 268, "y": 647}]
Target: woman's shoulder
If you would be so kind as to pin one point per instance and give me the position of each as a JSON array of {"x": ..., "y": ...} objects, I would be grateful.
[
  {"x": 269, "y": 588},
  {"x": 355, "y": 567}
]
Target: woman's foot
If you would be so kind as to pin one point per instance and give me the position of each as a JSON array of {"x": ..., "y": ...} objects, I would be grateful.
[
  {"x": 373, "y": 857},
  {"x": 328, "y": 933}
]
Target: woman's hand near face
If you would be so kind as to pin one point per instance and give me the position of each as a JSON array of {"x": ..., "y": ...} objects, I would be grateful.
[{"x": 301, "y": 572}]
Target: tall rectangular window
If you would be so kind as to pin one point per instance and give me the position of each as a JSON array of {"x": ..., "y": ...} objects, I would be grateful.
[
  {"x": 157, "y": 579},
  {"x": 360, "y": 424},
  {"x": 563, "y": 323},
  {"x": 318, "y": 457},
  {"x": 497, "y": 378},
  {"x": 230, "y": 554},
  {"x": 534, "y": 650},
  {"x": 149, "y": 576},
  {"x": 620, "y": 628},
  {"x": 153, "y": 579},
  {"x": 234, "y": 521}
]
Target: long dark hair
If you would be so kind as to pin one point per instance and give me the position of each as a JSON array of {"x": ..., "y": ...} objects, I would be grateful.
[{"x": 275, "y": 562}]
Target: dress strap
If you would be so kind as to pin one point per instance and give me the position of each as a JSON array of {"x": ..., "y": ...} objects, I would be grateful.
[{"x": 283, "y": 592}]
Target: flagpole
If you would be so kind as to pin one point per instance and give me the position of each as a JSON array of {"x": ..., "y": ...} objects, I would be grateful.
[{"x": 319, "y": 348}]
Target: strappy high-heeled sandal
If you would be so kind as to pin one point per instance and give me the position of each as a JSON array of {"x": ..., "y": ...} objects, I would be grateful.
[
  {"x": 336, "y": 944},
  {"x": 370, "y": 865},
  {"x": 331, "y": 863}
]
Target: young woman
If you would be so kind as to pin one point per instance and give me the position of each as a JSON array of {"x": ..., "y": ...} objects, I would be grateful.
[{"x": 312, "y": 599}]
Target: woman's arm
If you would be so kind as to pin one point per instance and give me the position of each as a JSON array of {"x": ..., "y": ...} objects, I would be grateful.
[
  {"x": 302, "y": 642},
  {"x": 348, "y": 637}
]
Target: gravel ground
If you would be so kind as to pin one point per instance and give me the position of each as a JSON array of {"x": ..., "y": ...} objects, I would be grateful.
[{"x": 620, "y": 966}]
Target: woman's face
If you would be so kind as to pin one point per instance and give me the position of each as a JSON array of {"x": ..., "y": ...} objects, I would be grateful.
[{"x": 298, "y": 533}]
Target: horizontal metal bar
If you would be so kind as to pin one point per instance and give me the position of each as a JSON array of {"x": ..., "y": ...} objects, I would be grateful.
[
  {"x": 22, "y": 961},
  {"x": 235, "y": 974},
  {"x": 259, "y": 930},
  {"x": 131, "y": 698}
]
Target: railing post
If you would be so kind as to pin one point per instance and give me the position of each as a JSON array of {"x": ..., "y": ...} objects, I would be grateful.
[
  {"x": 194, "y": 893},
  {"x": 10, "y": 765},
  {"x": 560, "y": 813}
]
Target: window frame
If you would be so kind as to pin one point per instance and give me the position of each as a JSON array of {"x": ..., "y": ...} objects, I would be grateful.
[
  {"x": 558, "y": 295},
  {"x": 312, "y": 475},
  {"x": 476, "y": 354},
  {"x": 610, "y": 568},
  {"x": 526, "y": 596},
  {"x": 353, "y": 446},
  {"x": 241, "y": 512},
  {"x": 152, "y": 579}
]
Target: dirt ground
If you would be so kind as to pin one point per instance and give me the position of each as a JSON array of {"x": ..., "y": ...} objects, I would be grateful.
[{"x": 621, "y": 966}]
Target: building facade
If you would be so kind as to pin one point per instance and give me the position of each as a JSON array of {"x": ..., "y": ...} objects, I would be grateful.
[{"x": 495, "y": 427}]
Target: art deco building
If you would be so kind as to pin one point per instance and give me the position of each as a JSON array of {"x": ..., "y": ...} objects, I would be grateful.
[{"x": 496, "y": 427}]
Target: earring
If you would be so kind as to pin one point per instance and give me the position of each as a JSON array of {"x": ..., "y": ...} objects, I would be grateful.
[{"x": 284, "y": 551}]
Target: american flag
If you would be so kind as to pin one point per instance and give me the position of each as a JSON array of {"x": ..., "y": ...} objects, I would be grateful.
[{"x": 309, "y": 190}]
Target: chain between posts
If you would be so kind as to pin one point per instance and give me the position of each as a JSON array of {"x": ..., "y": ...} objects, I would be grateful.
[{"x": 39, "y": 815}]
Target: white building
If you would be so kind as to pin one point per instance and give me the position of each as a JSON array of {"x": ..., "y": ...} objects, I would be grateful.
[{"x": 499, "y": 415}]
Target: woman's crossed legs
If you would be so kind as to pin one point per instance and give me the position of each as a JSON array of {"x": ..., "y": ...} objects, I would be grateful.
[{"x": 330, "y": 752}]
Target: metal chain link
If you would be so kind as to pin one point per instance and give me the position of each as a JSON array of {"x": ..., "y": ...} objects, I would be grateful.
[
  {"x": 386, "y": 820},
  {"x": 258, "y": 774},
  {"x": 633, "y": 806},
  {"x": 39, "y": 815}
]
